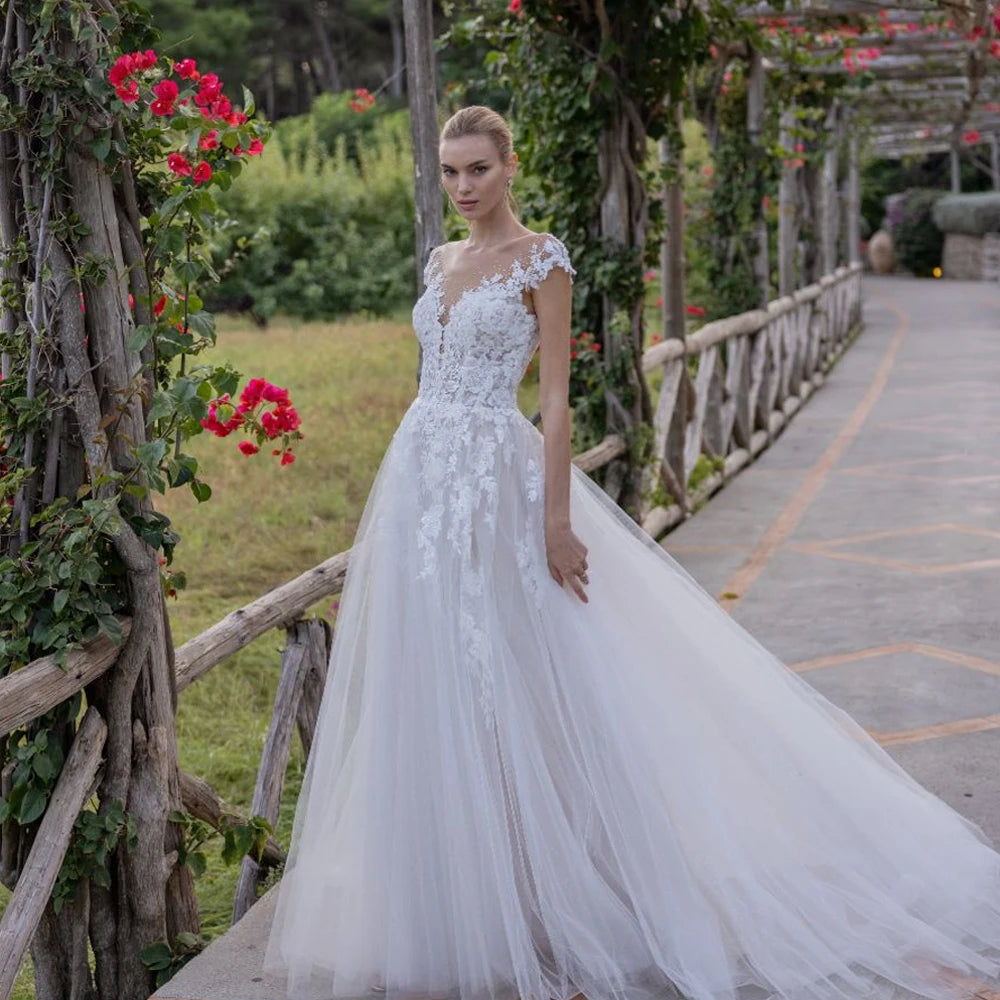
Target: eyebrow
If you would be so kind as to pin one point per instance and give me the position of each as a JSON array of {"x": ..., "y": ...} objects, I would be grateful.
[{"x": 475, "y": 163}]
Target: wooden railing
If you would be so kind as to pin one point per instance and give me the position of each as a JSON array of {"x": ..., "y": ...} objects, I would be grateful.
[{"x": 726, "y": 391}]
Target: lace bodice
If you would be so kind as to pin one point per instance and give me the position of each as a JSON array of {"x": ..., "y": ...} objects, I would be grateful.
[{"x": 478, "y": 339}]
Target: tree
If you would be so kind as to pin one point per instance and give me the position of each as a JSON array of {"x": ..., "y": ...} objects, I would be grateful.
[{"x": 102, "y": 250}]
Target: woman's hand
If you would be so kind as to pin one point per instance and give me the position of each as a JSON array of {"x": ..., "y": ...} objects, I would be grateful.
[{"x": 567, "y": 558}]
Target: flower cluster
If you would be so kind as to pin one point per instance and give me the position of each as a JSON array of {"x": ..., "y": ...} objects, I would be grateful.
[
  {"x": 252, "y": 415},
  {"x": 584, "y": 344},
  {"x": 362, "y": 100},
  {"x": 176, "y": 104}
]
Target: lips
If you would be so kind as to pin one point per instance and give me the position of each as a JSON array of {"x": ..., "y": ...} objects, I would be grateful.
[{"x": 467, "y": 204}]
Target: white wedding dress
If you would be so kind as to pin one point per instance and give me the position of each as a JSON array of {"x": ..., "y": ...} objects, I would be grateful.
[{"x": 515, "y": 794}]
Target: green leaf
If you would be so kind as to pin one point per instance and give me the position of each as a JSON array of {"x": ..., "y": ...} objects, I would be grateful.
[
  {"x": 156, "y": 956},
  {"x": 249, "y": 105},
  {"x": 139, "y": 337},
  {"x": 202, "y": 491},
  {"x": 59, "y": 601},
  {"x": 32, "y": 805},
  {"x": 43, "y": 766},
  {"x": 101, "y": 147}
]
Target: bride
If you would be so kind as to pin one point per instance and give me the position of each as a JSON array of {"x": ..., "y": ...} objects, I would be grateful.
[{"x": 547, "y": 762}]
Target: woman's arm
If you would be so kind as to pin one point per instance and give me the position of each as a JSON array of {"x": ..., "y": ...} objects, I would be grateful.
[{"x": 567, "y": 555}]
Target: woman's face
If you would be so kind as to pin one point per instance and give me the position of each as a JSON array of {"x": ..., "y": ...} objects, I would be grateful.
[{"x": 472, "y": 174}]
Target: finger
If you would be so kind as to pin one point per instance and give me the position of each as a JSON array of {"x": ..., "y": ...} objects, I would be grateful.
[
  {"x": 578, "y": 589},
  {"x": 556, "y": 575}
]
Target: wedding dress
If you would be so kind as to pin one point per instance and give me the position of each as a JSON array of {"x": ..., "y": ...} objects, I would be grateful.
[{"x": 515, "y": 794}]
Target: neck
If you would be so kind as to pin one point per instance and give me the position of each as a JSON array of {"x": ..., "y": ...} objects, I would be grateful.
[{"x": 495, "y": 227}]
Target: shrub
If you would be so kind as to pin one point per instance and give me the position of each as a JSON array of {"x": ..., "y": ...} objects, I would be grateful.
[
  {"x": 918, "y": 241},
  {"x": 319, "y": 235},
  {"x": 973, "y": 214}
]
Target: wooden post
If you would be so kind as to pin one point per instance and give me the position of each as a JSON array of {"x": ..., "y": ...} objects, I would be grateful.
[
  {"x": 668, "y": 451},
  {"x": 421, "y": 86},
  {"x": 828, "y": 197},
  {"x": 755, "y": 119},
  {"x": 787, "y": 208},
  {"x": 38, "y": 876},
  {"x": 853, "y": 199}
]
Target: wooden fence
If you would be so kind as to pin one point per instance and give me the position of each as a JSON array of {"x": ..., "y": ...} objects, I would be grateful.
[{"x": 726, "y": 392}]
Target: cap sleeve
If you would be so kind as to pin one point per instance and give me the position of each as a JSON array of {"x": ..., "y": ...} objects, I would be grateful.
[{"x": 546, "y": 254}]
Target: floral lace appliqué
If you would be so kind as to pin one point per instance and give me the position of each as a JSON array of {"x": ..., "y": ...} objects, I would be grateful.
[{"x": 474, "y": 357}]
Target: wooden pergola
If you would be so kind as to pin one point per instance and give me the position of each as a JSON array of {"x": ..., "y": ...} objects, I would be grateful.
[{"x": 936, "y": 84}]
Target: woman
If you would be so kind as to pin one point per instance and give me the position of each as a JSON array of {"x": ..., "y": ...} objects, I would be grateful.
[{"x": 547, "y": 762}]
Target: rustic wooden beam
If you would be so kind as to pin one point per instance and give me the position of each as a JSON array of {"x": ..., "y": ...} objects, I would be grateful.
[
  {"x": 203, "y": 802},
  {"x": 31, "y": 894},
  {"x": 38, "y": 687},
  {"x": 277, "y": 607}
]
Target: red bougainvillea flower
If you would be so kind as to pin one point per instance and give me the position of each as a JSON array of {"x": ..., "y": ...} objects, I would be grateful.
[
  {"x": 210, "y": 140},
  {"x": 255, "y": 148},
  {"x": 187, "y": 69},
  {"x": 649, "y": 275},
  {"x": 659, "y": 302},
  {"x": 514, "y": 6},
  {"x": 166, "y": 93},
  {"x": 160, "y": 305},
  {"x": 287, "y": 457},
  {"x": 209, "y": 90},
  {"x": 129, "y": 92},
  {"x": 362, "y": 100},
  {"x": 236, "y": 119},
  {"x": 121, "y": 70},
  {"x": 202, "y": 173},
  {"x": 694, "y": 310},
  {"x": 144, "y": 60},
  {"x": 971, "y": 137},
  {"x": 178, "y": 163},
  {"x": 248, "y": 448},
  {"x": 166, "y": 90}
]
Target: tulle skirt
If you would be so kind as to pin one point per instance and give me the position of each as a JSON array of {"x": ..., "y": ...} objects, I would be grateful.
[{"x": 515, "y": 794}]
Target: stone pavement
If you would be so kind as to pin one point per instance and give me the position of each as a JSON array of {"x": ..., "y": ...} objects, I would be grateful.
[{"x": 862, "y": 548}]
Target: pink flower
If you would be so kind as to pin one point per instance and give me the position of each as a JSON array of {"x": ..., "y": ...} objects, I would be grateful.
[
  {"x": 187, "y": 69},
  {"x": 202, "y": 173},
  {"x": 248, "y": 448},
  {"x": 971, "y": 137},
  {"x": 160, "y": 304},
  {"x": 694, "y": 310},
  {"x": 287, "y": 457},
  {"x": 649, "y": 275},
  {"x": 210, "y": 140},
  {"x": 178, "y": 163},
  {"x": 514, "y": 6},
  {"x": 255, "y": 148},
  {"x": 161, "y": 108}
]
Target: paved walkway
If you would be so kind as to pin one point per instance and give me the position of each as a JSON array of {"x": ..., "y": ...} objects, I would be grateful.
[
  {"x": 864, "y": 545},
  {"x": 862, "y": 548}
]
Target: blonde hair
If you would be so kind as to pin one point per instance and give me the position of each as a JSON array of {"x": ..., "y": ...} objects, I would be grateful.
[{"x": 477, "y": 119}]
